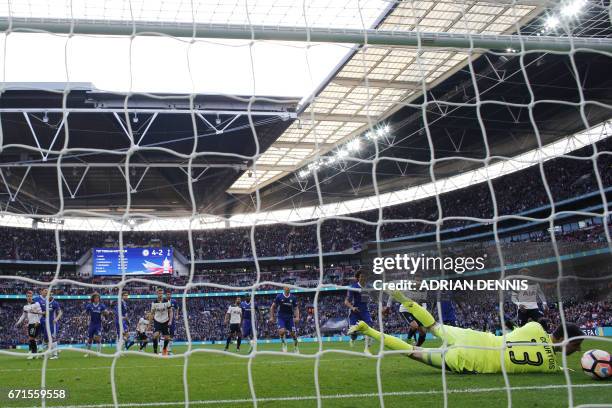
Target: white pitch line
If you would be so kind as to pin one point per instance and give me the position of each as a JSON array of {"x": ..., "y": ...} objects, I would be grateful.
[{"x": 330, "y": 396}]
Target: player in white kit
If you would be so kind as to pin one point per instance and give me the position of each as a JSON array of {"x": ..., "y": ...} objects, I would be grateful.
[
  {"x": 162, "y": 320},
  {"x": 234, "y": 316},
  {"x": 527, "y": 302},
  {"x": 141, "y": 331},
  {"x": 32, "y": 313}
]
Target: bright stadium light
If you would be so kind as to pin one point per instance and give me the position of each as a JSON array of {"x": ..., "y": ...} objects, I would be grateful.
[
  {"x": 573, "y": 8},
  {"x": 313, "y": 166},
  {"x": 329, "y": 160},
  {"x": 354, "y": 145},
  {"x": 342, "y": 154},
  {"x": 378, "y": 133},
  {"x": 552, "y": 22}
]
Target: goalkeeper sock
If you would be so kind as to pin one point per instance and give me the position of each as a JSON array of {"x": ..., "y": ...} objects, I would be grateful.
[
  {"x": 129, "y": 344},
  {"x": 390, "y": 342},
  {"x": 433, "y": 358},
  {"x": 99, "y": 347},
  {"x": 418, "y": 311}
]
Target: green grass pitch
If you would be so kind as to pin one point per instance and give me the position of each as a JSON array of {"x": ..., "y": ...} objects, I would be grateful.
[{"x": 219, "y": 380}]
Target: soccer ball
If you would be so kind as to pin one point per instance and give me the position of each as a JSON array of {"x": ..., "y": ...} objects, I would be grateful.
[{"x": 596, "y": 364}]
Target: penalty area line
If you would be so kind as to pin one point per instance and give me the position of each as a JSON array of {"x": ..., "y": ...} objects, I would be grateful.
[{"x": 327, "y": 397}]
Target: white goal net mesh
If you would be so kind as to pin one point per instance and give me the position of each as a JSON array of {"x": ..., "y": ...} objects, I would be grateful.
[{"x": 365, "y": 154}]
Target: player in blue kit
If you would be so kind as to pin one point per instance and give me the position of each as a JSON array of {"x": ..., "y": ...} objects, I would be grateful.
[
  {"x": 357, "y": 301},
  {"x": 288, "y": 315},
  {"x": 174, "y": 304},
  {"x": 248, "y": 314},
  {"x": 54, "y": 314},
  {"x": 122, "y": 318},
  {"x": 449, "y": 317},
  {"x": 95, "y": 309}
]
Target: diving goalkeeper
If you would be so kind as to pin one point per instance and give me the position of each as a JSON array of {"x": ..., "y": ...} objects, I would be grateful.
[{"x": 463, "y": 354}]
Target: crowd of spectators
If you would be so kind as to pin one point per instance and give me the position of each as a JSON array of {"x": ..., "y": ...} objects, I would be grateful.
[
  {"x": 272, "y": 277},
  {"x": 515, "y": 193}
]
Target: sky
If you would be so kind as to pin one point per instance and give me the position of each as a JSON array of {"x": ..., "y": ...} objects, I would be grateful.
[{"x": 160, "y": 64}]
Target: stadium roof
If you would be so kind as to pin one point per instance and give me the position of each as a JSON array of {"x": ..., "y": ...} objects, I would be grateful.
[
  {"x": 93, "y": 183},
  {"x": 144, "y": 222},
  {"x": 375, "y": 81},
  {"x": 88, "y": 134}
]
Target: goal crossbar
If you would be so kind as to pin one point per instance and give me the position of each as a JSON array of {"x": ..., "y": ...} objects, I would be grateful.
[{"x": 303, "y": 34}]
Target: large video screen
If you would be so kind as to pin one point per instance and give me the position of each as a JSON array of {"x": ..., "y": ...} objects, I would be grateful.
[{"x": 136, "y": 261}]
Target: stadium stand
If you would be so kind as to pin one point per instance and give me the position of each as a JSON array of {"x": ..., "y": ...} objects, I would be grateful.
[{"x": 515, "y": 194}]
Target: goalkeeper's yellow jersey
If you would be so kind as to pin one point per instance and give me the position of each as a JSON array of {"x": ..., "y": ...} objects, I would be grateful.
[{"x": 517, "y": 358}]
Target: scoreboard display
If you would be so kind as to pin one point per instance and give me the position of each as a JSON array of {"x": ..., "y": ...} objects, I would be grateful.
[{"x": 136, "y": 261}]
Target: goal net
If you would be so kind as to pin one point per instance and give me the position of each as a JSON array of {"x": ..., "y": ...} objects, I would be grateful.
[{"x": 235, "y": 148}]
